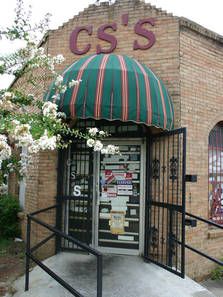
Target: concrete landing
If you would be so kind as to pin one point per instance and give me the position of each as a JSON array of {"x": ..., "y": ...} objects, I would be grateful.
[{"x": 123, "y": 276}]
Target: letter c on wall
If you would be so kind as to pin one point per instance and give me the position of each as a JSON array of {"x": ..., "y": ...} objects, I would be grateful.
[
  {"x": 145, "y": 33},
  {"x": 73, "y": 40}
]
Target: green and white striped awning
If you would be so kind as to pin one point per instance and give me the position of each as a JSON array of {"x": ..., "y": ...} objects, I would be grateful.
[{"x": 115, "y": 87}]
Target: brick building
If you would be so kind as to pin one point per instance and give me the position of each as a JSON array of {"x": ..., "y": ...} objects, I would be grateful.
[{"x": 134, "y": 203}]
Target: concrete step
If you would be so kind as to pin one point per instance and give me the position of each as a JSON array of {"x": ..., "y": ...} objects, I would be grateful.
[{"x": 123, "y": 276}]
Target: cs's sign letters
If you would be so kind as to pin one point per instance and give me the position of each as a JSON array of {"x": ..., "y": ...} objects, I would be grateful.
[{"x": 111, "y": 39}]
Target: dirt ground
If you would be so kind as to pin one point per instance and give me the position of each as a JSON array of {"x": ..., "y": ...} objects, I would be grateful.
[{"x": 12, "y": 263}]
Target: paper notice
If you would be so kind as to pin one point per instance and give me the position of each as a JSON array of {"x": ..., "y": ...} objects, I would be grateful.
[
  {"x": 105, "y": 216},
  {"x": 112, "y": 191},
  {"x": 127, "y": 238},
  {"x": 124, "y": 192},
  {"x": 117, "y": 222},
  {"x": 133, "y": 212},
  {"x": 133, "y": 166},
  {"x": 124, "y": 187},
  {"x": 124, "y": 182}
]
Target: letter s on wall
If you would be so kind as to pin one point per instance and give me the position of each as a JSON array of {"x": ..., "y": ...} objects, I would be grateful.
[
  {"x": 149, "y": 35},
  {"x": 73, "y": 40},
  {"x": 107, "y": 37}
]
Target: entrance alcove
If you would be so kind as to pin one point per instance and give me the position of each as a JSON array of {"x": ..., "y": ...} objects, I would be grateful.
[{"x": 132, "y": 203}]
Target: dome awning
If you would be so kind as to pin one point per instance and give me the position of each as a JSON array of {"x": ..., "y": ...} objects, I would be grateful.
[{"x": 115, "y": 87}]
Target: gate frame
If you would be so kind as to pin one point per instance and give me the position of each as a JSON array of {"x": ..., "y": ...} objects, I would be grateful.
[{"x": 148, "y": 200}]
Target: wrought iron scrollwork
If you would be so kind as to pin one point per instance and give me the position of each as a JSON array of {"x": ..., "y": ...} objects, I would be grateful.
[
  {"x": 172, "y": 244},
  {"x": 155, "y": 169},
  {"x": 154, "y": 237},
  {"x": 173, "y": 168}
]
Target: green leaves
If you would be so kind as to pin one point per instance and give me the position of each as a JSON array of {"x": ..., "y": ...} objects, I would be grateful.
[{"x": 9, "y": 225}]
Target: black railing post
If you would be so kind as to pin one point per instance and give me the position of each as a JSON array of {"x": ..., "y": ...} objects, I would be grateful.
[
  {"x": 99, "y": 276},
  {"x": 183, "y": 234},
  {"x": 28, "y": 232},
  {"x": 29, "y": 253},
  {"x": 58, "y": 224}
]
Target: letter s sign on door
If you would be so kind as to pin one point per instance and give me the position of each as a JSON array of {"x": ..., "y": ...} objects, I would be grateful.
[{"x": 77, "y": 191}]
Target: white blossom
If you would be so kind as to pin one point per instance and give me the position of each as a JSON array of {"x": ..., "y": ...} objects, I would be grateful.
[
  {"x": 3, "y": 189},
  {"x": 56, "y": 97},
  {"x": 58, "y": 80},
  {"x": 63, "y": 89},
  {"x": 24, "y": 140},
  {"x": 6, "y": 104},
  {"x": 112, "y": 149},
  {"x": 90, "y": 142},
  {"x": 3, "y": 138},
  {"x": 22, "y": 135},
  {"x": 40, "y": 51},
  {"x": 51, "y": 67},
  {"x": 98, "y": 146},
  {"x": 5, "y": 149},
  {"x": 43, "y": 143},
  {"x": 5, "y": 101},
  {"x": 34, "y": 148},
  {"x": 49, "y": 109},
  {"x": 47, "y": 143},
  {"x": 23, "y": 164},
  {"x": 16, "y": 122},
  {"x": 93, "y": 131},
  {"x": 59, "y": 59},
  {"x": 61, "y": 115},
  {"x": 10, "y": 167},
  {"x": 74, "y": 83},
  {"x": 104, "y": 151},
  {"x": 102, "y": 133},
  {"x": 8, "y": 96}
]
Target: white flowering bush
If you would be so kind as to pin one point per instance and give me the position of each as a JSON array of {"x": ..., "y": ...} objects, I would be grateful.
[
  {"x": 5, "y": 149},
  {"x": 26, "y": 122}
]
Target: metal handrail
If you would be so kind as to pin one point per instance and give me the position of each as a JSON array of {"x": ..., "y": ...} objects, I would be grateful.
[
  {"x": 29, "y": 253},
  {"x": 213, "y": 259},
  {"x": 204, "y": 220}
]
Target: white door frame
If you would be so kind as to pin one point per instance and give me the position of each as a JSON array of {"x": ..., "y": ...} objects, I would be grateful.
[{"x": 96, "y": 201}]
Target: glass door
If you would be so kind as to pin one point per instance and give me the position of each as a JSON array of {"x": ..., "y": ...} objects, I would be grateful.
[{"x": 119, "y": 200}]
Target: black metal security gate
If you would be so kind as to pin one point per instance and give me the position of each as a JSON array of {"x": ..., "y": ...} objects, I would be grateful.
[
  {"x": 77, "y": 194},
  {"x": 165, "y": 205}
]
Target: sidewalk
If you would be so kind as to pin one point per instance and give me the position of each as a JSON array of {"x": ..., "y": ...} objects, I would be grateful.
[{"x": 214, "y": 286}]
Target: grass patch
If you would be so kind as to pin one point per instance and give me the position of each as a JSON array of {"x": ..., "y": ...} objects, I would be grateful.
[
  {"x": 4, "y": 246},
  {"x": 9, "y": 247}
]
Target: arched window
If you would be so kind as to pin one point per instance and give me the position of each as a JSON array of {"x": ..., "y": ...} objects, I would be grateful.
[{"x": 215, "y": 156}]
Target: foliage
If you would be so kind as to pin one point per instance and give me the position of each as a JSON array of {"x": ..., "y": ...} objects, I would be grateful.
[
  {"x": 4, "y": 244},
  {"x": 25, "y": 121},
  {"x": 217, "y": 273},
  {"x": 9, "y": 226},
  {"x": 10, "y": 247}
]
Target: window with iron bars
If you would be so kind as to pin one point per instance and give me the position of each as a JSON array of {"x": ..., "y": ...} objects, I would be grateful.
[{"x": 215, "y": 156}]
